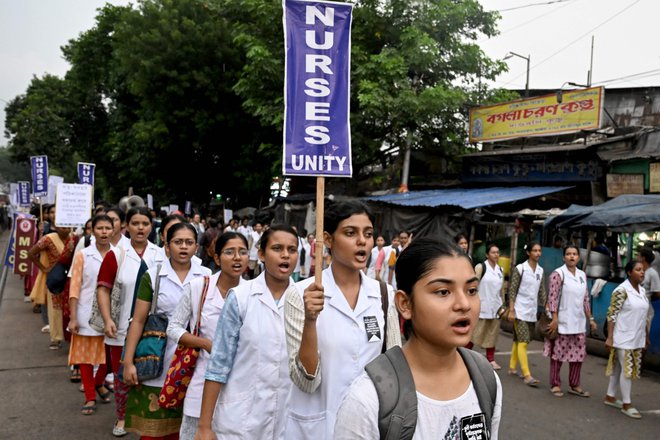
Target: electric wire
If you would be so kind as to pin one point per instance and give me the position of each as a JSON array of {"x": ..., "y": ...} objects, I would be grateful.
[
  {"x": 532, "y": 4},
  {"x": 575, "y": 40}
]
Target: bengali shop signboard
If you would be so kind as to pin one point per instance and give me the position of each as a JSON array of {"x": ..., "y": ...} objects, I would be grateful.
[{"x": 539, "y": 116}]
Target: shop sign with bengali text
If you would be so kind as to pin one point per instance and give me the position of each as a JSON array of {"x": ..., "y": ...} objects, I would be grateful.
[
  {"x": 538, "y": 116},
  {"x": 620, "y": 184}
]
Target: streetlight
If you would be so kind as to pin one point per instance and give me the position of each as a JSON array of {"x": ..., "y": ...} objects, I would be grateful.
[{"x": 527, "y": 58}]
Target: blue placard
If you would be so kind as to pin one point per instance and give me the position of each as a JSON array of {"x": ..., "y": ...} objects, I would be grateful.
[
  {"x": 317, "y": 135},
  {"x": 86, "y": 173},
  {"x": 23, "y": 193},
  {"x": 39, "y": 175}
]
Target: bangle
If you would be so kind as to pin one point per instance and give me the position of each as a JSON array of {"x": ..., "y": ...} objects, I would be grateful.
[{"x": 591, "y": 318}]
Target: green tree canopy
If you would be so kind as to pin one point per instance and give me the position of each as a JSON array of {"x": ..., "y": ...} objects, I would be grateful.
[{"x": 183, "y": 98}]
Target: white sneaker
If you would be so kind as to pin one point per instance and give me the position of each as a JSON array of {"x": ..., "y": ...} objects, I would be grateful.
[
  {"x": 45, "y": 329},
  {"x": 26, "y": 299}
]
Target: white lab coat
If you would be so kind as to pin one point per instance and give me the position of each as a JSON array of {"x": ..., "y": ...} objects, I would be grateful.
[
  {"x": 92, "y": 260},
  {"x": 571, "y": 316},
  {"x": 253, "y": 402},
  {"x": 170, "y": 293},
  {"x": 344, "y": 349},
  {"x": 213, "y": 305},
  {"x": 630, "y": 325},
  {"x": 528, "y": 293},
  {"x": 127, "y": 275},
  {"x": 490, "y": 287}
]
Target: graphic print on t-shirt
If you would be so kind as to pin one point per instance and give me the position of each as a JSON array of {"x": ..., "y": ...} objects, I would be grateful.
[{"x": 469, "y": 428}]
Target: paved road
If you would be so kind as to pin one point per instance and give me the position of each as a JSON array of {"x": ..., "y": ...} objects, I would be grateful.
[{"x": 38, "y": 401}]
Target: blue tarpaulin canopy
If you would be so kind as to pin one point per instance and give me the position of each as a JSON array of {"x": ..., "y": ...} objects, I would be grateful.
[
  {"x": 626, "y": 213},
  {"x": 467, "y": 198}
]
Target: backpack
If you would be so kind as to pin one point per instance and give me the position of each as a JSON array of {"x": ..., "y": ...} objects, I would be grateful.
[{"x": 397, "y": 405}]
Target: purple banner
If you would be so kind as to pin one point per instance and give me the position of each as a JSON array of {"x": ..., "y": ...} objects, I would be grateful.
[
  {"x": 317, "y": 135},
  {"x": 86, "y": 173},
  {"x": 23, "y": 193},
  {"x": 39, "y": 175}
]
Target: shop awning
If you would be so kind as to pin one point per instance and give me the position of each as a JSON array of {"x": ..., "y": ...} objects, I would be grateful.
[
  {"x": 627, "y": 213},
  {"x": 467, "y": 198}
]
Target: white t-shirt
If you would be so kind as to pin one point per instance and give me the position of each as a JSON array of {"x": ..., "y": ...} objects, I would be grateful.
[
  {"x": 651, "y": 281},
  {"x": 358, "y": 415}
]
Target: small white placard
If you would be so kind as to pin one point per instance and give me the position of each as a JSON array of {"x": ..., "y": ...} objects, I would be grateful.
[{"x": 73, "y": 204}]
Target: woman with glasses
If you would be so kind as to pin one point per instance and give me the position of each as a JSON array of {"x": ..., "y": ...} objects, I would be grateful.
[
  {"x": 143, "y": 414},
  {"x": 231, "y": 257}
]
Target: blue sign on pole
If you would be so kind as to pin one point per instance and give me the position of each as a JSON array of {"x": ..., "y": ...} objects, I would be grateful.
[
  {"x": 23, "y": 193},
  {"x": 39, "y": 175},
  {"x": 317, "y": 135},
  {"x": 86, "y": 173}
]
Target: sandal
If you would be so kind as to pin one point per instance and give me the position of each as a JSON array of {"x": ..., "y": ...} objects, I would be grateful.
[
  {"x": 531, "y": 382},
  {"x": 632, "y": 413},
  {"x": 88, "y": 410},
  {"x": 557, "y": 392},
  {"x": 579, "y": 392},
  {"x": 515, "y": 373},
  {"x": 75, "y": 375},
  {"x": 618, "y": 404},
  {"x": 495, "y": 365},
  {"x": 119, "y": 431},
  {"x": 105, "y": 397}
]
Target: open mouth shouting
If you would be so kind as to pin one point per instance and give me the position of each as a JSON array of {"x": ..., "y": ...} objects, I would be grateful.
[{"x": 461, "y": 325}]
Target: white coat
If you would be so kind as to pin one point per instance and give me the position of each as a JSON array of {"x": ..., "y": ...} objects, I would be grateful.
[
  {"x": 170, "y": 293},
  {"x": 213, "y": 304},
  {"x": 127, "y": 276},
  {"x": 345, "y": 349},
  {"x": 571, "y": 316},
  {"x": 528, "y": 292},
  {"x": 92, "y": 260},
  {"x": 630, "y": 325},
  {"x": 490, "y": 287},
  {"x": 253, "y": 402}
]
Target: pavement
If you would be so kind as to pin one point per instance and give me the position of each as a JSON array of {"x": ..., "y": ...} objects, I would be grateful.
[{"x": 38, "y": 400}]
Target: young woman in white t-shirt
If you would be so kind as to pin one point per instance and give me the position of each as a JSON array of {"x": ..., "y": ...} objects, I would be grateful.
[{"x": 438, "y": 298}]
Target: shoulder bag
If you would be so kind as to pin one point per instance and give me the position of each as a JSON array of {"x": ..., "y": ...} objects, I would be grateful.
[
  {"x": 150, "y": 350},
  {"x": 182, "y": 366},
  {"x": 543, "y": 324},
  {"x": 96, "y": 319}
]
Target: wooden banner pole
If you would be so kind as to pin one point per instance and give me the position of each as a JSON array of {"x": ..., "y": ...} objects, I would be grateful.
[
  {"x": 320, "y": 212},
  {"x": 41, "y": 210}
]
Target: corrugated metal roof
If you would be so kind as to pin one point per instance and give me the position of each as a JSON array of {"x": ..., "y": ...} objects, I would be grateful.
[{"x": 467, "y": 198}]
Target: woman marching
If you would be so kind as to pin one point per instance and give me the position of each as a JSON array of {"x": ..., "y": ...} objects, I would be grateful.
[
  {"x": 526, "y": 291},
  {"x": 491, "y": 282},
  {"x": 45, "y": 254},
  {"x": 143, "y": 414},
  {"x": 335, "y": 329},
  {"x": 568, "y": 302},
  {"x": 87, "y": 348},
  {"x": 231, "y": 257},
  {"x": 438, "y": 299},
  {"x": 627, "y": 338},
  {"x": 247, "y": 385},
  {"x": 122, "y": 265}
]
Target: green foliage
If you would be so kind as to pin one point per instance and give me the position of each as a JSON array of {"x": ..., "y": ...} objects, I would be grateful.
[{"x": 183, "y": 98}]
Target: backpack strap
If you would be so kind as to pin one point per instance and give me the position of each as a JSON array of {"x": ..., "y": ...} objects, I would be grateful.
[
  {"x": 483, "y": 380},
  {"x": 385, "y": 303},
  {"x": 397, "y": 397}
]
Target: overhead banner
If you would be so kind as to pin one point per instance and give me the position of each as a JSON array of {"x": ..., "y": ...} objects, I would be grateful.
[
  {"x": 317, "y": 135},
  {"x": 39, "y": 175},
  {"x": 86, "y": 173},
  {"x": 558, "y": 113},
  {"x": 24, "y": 194},
  {"x": 26, "y": 237}
]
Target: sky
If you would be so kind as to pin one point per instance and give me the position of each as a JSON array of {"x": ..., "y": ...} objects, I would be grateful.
[{"x": 555, "y": 34}]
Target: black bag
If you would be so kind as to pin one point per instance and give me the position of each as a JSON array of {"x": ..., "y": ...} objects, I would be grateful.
[{"x": 56, "y": 279}]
